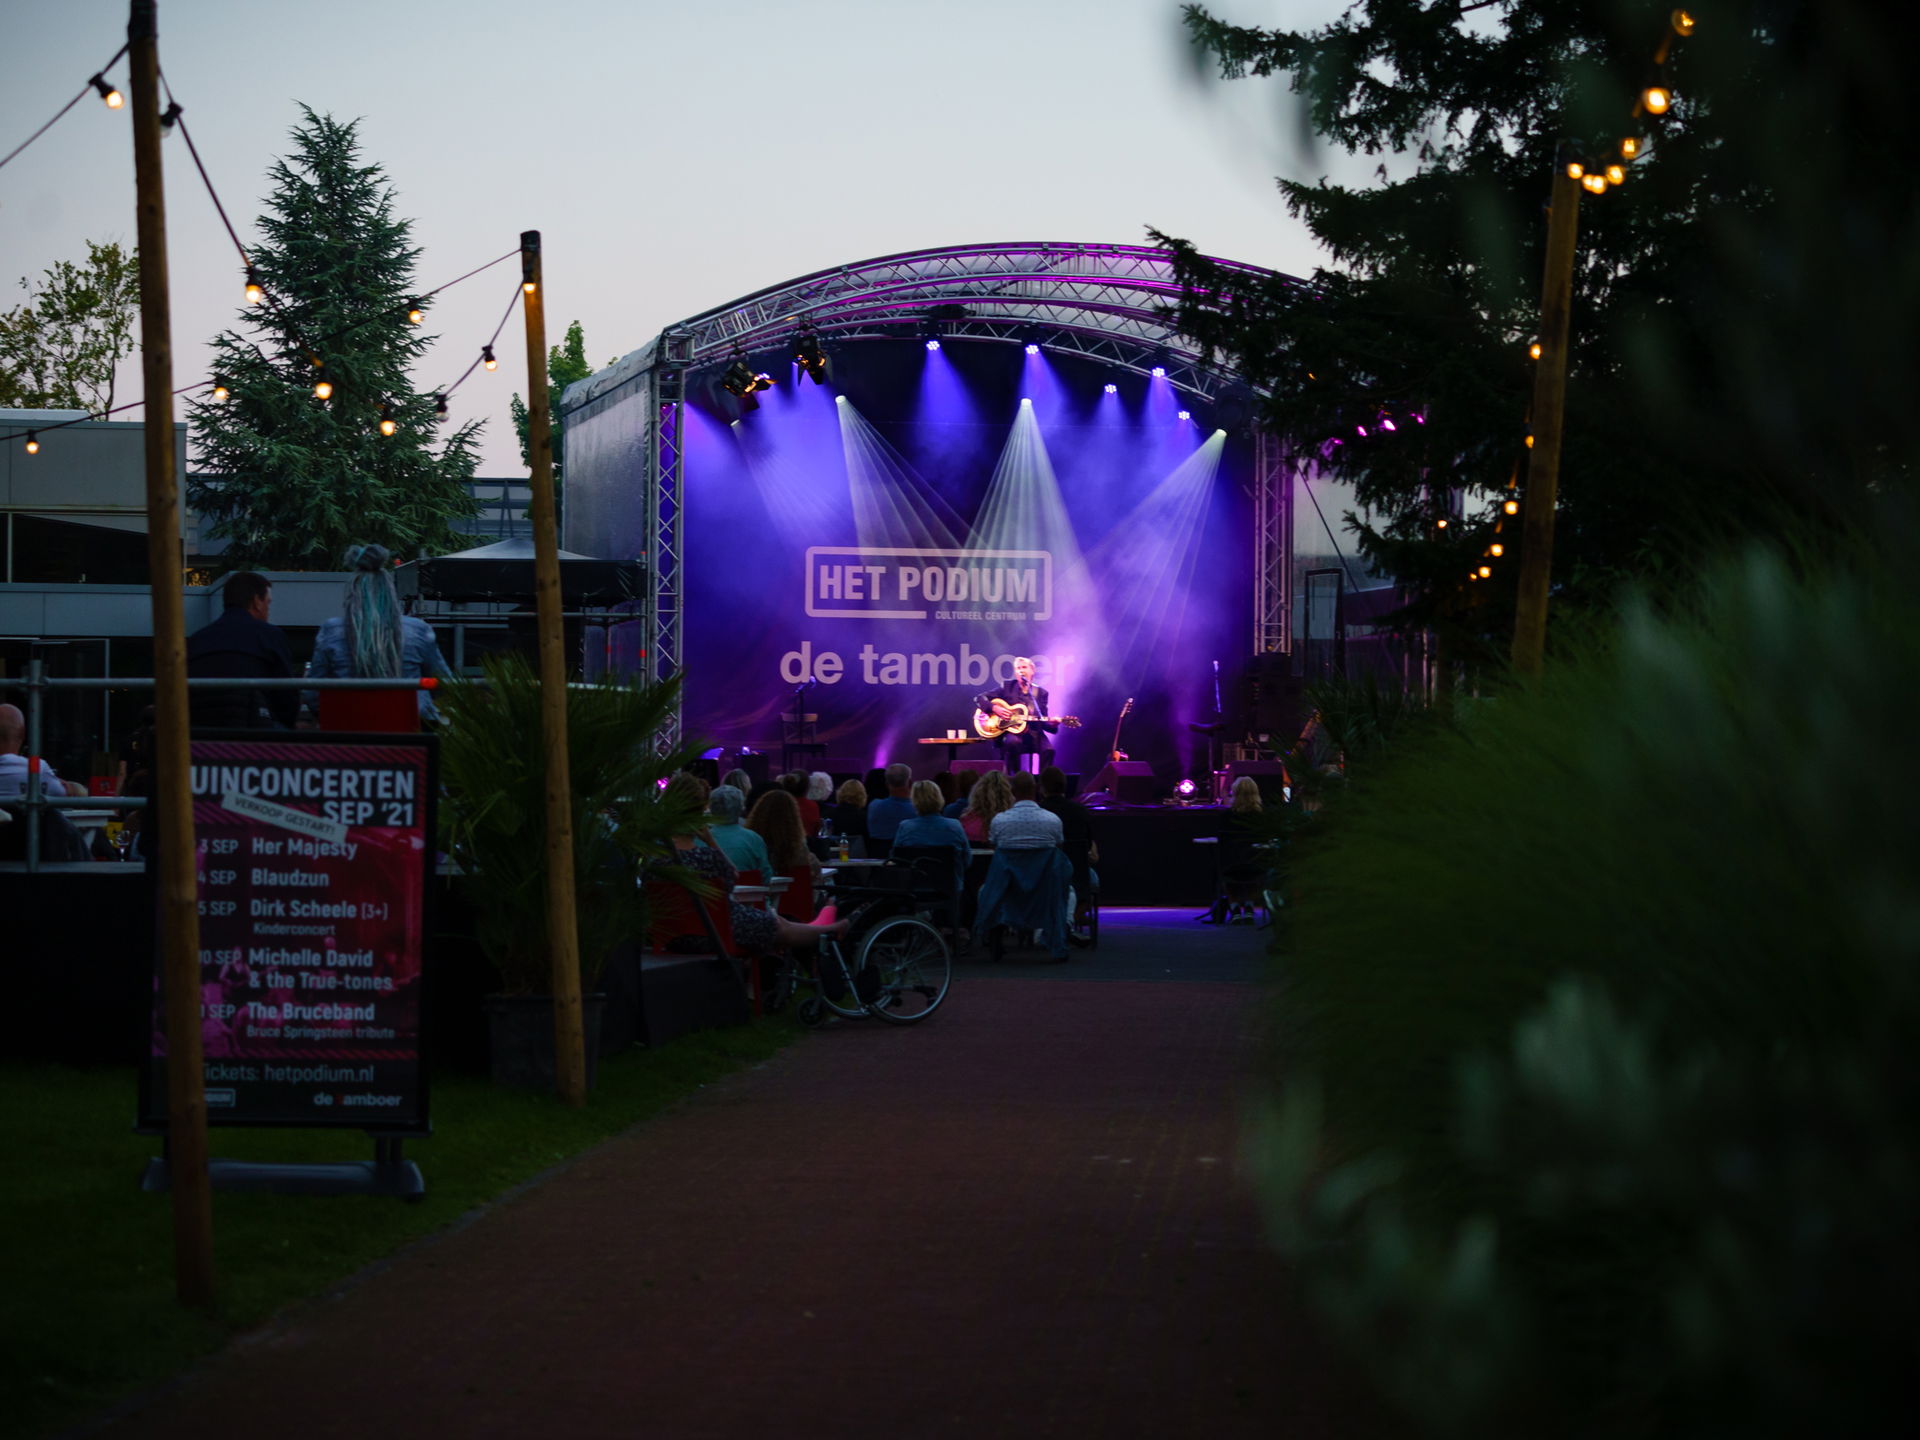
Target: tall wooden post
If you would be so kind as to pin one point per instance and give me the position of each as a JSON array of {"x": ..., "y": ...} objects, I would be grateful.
[
  {"x": 172, "y": 799},
  {"x": 1549, "y": 406},
  {"x": 563, "y": 932}
]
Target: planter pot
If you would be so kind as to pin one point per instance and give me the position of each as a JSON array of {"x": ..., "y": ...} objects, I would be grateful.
[{"x": 521, "y": 1030}]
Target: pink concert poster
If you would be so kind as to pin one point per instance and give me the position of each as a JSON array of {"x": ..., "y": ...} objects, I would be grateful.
[{"x": 312, "y": 861}]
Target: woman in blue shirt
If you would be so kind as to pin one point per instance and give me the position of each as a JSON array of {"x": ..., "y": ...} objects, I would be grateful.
[{"x": 928, "y": 827}]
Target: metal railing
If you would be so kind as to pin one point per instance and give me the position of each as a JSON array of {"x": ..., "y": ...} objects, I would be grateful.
[{"x": 34, "y": 798}]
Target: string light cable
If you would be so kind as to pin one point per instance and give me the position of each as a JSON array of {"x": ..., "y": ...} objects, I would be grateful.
[{"x": 94, "y": 83}]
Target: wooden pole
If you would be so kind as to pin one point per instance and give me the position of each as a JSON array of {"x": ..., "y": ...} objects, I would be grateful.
[
  {"x": 563, "y": 933},
  {"x": 172, "y": 799},
  {"x": 1549, "y": 406}
]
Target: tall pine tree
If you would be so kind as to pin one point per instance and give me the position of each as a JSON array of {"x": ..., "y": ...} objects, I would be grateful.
[
  {"x": 1734, "y": 364},
  {"x": 288, "y": 479}
]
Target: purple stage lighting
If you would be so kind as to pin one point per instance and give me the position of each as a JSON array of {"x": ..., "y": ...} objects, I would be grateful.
[
  {"x": 1387, "y": 424},
  {"x": 1025, "y": 401},
  {"x": 1186, "y": 415},
  {"x": 1419, "y": 419},
  {"x": 933, "y": 344},
  {"x": 1185, "y": 788},
  {"x": 1113, "y": 389},
  {"x": 1159, "y": 372},
  {"x": 1360, "y": 430},
  {"x": 1033, "y": 349}
]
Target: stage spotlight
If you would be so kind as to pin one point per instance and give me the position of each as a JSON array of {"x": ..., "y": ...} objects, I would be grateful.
[
  {"x": 743, "y": 381},
  {"x": 1186, "y": 415},
  {"x": 811, "y": 359},
  {"x": 1185, "y": 789},
  {"x": 1032, "y": 349},
  {"x": 1159, "y": 372},
  {"x": 1111, "y": 389},
  {"x": 1025, "y": 401}
]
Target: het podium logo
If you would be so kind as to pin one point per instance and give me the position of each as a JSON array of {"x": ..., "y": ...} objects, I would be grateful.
[{"x": 867, "y": 582}]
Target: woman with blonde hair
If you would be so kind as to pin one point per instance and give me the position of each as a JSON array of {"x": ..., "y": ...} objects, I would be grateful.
[
  {"x": 991, "y": 794},
  {"x": 1245, "y": 797},
  {"x": 849, "y": 815}
]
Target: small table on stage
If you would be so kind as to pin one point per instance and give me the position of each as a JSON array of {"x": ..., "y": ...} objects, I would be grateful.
[{"x": 953, "y": 745}]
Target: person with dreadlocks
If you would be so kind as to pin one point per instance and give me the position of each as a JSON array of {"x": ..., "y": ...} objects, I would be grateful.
[{"x": 371, "y": 637}]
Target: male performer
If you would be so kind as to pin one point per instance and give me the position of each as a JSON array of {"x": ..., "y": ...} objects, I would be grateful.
[{"x": 1036, "y": 738}]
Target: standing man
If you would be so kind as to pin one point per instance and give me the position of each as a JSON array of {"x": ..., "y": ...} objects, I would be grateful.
[
  {"x": 1036, "y": 739},
  {"x": 241, "y": 645}
]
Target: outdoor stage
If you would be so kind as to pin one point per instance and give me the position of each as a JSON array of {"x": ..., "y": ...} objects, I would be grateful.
[{"x": 861, "y": 495}]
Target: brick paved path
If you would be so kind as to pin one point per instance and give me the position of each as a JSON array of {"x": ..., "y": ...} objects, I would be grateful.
[{"x": 1022, "y": 1218}]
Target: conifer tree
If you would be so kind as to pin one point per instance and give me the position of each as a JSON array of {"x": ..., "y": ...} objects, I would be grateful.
[{"x": 290, "y": 479}]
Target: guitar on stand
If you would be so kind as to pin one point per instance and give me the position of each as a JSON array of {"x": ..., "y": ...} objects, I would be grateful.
[{"x": 1114, "y": 752}]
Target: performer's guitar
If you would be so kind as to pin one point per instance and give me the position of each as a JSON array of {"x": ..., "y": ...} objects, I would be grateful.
[{"x": 990, "y": 726}]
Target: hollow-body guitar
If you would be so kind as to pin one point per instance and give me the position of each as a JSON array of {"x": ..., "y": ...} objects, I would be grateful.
[{"x": 1017, "y": 720}]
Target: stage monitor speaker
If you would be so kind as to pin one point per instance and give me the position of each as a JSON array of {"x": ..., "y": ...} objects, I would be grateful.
[
  {"x": 1130, "y": 782},
  {"x": 1270, "y": 775},
  {"x": 978, "y": 767}
]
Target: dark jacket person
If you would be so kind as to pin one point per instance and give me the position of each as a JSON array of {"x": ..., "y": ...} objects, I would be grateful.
[{"x": 241, "y": 645}]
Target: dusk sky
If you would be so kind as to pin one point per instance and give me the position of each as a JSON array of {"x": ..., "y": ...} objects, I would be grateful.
[{"x": 675, "y": 157}]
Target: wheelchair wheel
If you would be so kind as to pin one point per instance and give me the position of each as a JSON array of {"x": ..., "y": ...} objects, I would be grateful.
[
  {"x": 838, "y": 993},
  {"x": 913, "y": 966}
]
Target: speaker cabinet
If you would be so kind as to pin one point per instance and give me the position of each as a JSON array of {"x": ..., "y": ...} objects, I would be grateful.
[{"x": 1130, "y": 782}]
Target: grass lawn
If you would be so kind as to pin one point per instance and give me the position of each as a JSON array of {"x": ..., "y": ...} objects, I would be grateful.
[{"x": 87, "y": 1312}]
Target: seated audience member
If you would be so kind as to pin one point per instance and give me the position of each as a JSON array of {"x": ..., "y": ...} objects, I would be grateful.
[
  {"x": 820, "y": 790},
  {"x": 928, "y": 827},
  {"x": 990, "y": 796},
  {"x": 850, "y": 813},
  {"x": 745, "y": 849},
  {"x": 795, "y": 784},
  {"x": 885, "y": 814},
  {"x": 739, "y": 779},
  {"x": 242, "y": 645},
  {"x": 776, "y": 820},
  {"x": 1024, "y": 825},
  {"x": 13, "y": 764},
  {"x": 1076, "y": 824},
  {"x": 956, "y": 805},
  {"x": 1245, "y": 869},
  {"x": 755, "y": 928},
  {"x": 1029, "y": 882}
]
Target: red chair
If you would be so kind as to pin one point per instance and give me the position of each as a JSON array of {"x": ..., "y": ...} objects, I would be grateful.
[
  {"x": 674, "y": 912},
  {"x": 374, "y": 711},
  {"x": 797, "y": 904}
]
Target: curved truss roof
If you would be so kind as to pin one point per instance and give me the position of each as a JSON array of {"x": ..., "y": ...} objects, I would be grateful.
[{"x": 1105, "y": 302}]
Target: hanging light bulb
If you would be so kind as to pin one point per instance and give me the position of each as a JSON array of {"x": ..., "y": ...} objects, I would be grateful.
[
  {"x": 439, "y": 406},
  {"x": 526, "y": 287},
  {"x": 33, "y": 442},
  {"x": 1616, "y": 174},
  {"x": 114, "y": 99},
  {"x": 1533, "y": 350},
  {"x": 1512, "y": 507},
  {"x": 1575, "y": 170},
  {"x": 1630, "y": 147},
  {"x": 1496, "y": 550},
  {"x": 254, "y": 293},
  {"x": 486, "y": 356},
  {"x": 322, "y": 387},
  {"x": 387, "y": 426},
  {"x": 219, "y": 391},
  {"x": 1529, "y": 442},
  {"x": 1655, "y": 99},
  {"x": 1441, "y": 523},
  {"x": 1682, "y": 22},
  {"x": 1486, "y": 572},
  {"x": 1595, "y": 184},
  {"x": 416, "y": 312}
]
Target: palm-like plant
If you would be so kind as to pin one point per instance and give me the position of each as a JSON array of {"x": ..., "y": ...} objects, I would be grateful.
[{"x": 494, "y": 812}]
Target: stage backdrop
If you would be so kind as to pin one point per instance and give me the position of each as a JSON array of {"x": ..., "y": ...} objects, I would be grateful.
[{"x": 897, "y": 536}]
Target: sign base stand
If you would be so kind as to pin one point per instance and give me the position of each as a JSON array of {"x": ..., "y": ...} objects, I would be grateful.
[{"x": 386, "y": 1174}]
